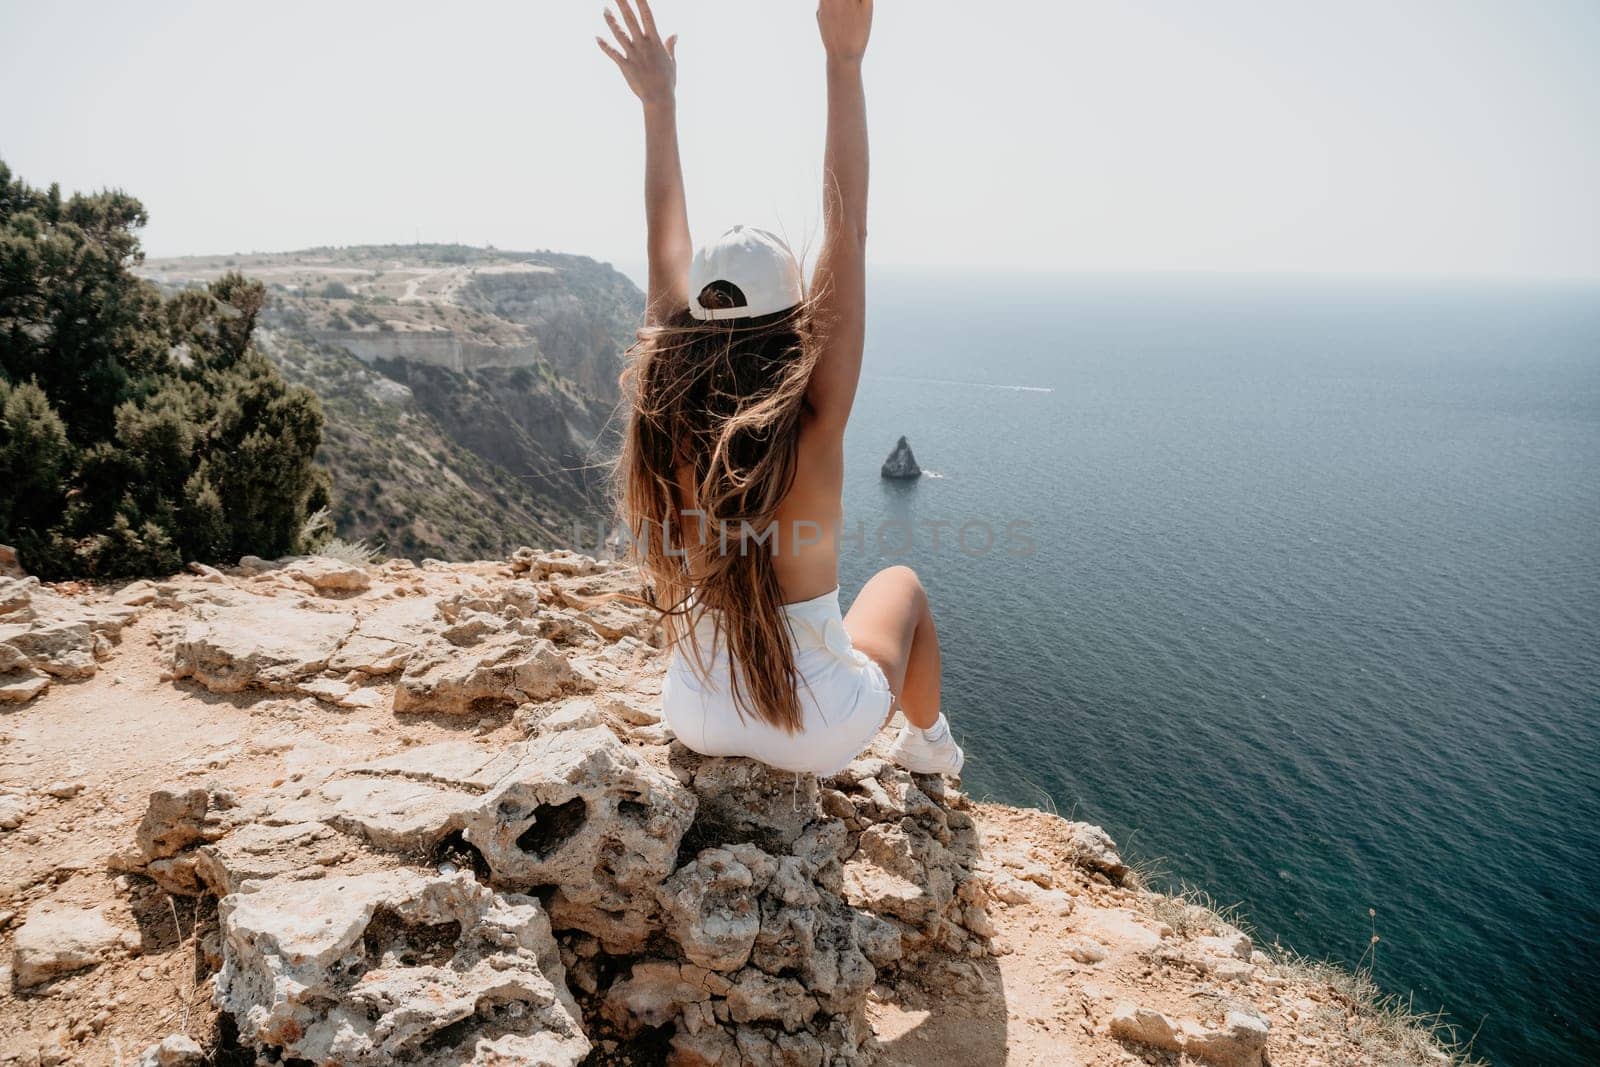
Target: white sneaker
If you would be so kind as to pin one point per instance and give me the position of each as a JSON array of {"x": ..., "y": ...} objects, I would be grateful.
[{"x": 921, "y": 756}]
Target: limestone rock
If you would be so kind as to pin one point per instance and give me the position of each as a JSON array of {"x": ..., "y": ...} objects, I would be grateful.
[
  {"x": 136, "y": 594},
  {"x": 1092, "y": 848},
  {"x": 539, "y": 565},
  {"x": 331, "y": 690},
  {"x": 823, "y": 941},
  {"x": 1084, "y": 949},
  {"x": 659, "y": 734},
  {"x": 12, "y": 659},
  {"x": 1234, "y": 944},
  {"x": 901, "y": 464},
  {"x": 13, "y": 809},
  {"x": 879, "y": 940},
  {"x": 177, "y": 820},
  {"x": 598, "y": 599},
  {"x": 581, "y": 812},
  {"x": 372, "y": 969},
  {"x": 1145, "y": 1026},
  {"x": 385, "y": 640},
  {"x": 262, "y": 852},
  {"x": 757, "y": 996},
  {"x": 62, "y": 635},
  {"x": 737, "y": 1046},
  {"x": 783, "y": 1049},
  {"x": 174, "y": 1050},
  {"x": 16, "y": 593},
  {"x": 57, "y": 939},
  {"x": 327, "y": 575},
  {"x": 341, "y": 694},
  {"x": 394, "y": 814},
  {"x": 574, "y": 809},
  {"x": 912, "y": 861},
  {"x": 632, "y": 712},
  {"x": 900, "y": 872},
  {"x": 252, "y": 641},
  {"x": 616, "y": 621},
  {"x": 712, "y": 908},
  {"x": 460, "y": 764},
  {"x": 21, "y": 686},
  {"x": 777, "y": 965},
  {"x": 743, "y": 801},
  {"x": 656, "y": 991},
  {"x": 565, "y": 628},
  {"x": 64, "y": 649},
  {"x": 579, "y": 713},
  {"x": 1240, "y": 1042},
  {"x": 507, "y": 669}
]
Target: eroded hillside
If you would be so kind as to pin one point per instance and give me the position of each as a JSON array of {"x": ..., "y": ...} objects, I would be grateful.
[{"x": 470, "y": 393}]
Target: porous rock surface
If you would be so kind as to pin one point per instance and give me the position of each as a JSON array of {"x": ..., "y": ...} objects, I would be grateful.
[
  {"x": 733, "y": 912},
  {"x": 768, "y": 937},
  {"x": 429, "y": 814},
  {"x": 386, "y": 967}
]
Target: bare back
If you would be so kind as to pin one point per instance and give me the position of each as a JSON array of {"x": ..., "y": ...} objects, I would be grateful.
[
  {"x": 811, "y": 516},
  {"x": 804, "y": 541}
]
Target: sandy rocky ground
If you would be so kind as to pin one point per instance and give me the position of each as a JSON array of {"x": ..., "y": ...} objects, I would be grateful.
[{"x": 307, "y": 811}]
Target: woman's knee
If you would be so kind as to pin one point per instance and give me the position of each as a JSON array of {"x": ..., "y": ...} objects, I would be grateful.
[{"x": 905, "y": 580}]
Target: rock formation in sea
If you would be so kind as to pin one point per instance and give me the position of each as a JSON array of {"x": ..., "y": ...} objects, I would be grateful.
[
  {"x": 901, "y": 464},
  {"x": 313, "y": 811}
]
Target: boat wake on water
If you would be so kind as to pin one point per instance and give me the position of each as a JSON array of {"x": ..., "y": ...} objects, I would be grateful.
[{"x": 964, "y": 385}]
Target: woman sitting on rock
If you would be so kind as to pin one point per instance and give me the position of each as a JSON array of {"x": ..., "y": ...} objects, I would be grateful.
[{"x": 732, "y": 465}]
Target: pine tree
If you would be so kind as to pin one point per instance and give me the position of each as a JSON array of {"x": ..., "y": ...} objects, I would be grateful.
[{"x": 136, "y": 432}]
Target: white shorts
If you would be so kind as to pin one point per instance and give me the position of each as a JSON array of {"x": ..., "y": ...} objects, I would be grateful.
[{"x": 844, "y": 698}]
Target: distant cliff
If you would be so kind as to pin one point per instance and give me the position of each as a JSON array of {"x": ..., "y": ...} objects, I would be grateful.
[{"x": 469, "y": 392}]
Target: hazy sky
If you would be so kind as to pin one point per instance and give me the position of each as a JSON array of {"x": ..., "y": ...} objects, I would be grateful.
[{"x": 1366, "y": 136}]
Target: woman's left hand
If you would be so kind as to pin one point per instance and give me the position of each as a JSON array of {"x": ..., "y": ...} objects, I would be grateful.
[{"x": 646, "y": 61}]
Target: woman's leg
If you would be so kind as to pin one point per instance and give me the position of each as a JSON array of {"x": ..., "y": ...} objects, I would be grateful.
[{"x": 891, "y": 622}]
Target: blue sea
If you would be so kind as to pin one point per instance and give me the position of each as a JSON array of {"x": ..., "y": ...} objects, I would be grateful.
[{"x": 1294, "y": 586}]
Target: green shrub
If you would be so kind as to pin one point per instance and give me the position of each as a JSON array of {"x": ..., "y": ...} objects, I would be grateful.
[{"x": 137, "y": 433}]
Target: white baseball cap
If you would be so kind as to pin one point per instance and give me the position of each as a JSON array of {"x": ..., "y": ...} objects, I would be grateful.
[{"x": 753, "y": 267}]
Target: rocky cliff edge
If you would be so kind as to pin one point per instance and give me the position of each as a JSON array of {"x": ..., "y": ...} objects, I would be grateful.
[{"x": 311, "y": 811}]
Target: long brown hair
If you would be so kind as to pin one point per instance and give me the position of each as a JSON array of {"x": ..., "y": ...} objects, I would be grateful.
[{"x": 722, "y": 402}]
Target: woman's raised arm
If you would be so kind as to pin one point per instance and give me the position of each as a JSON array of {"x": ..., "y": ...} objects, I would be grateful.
[
  {"x": 651, "y": 68},
  {"x": 839, "y": 283}
]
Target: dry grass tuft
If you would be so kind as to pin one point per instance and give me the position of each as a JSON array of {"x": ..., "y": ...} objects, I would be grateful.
[
  {"x": 357, "y": 552},
  {"x": 1389, "y": 1029}
]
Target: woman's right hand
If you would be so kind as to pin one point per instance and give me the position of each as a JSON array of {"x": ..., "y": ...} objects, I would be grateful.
[
  {"x": 646, "y": 61},
  {"x": 845, "y": 26}
]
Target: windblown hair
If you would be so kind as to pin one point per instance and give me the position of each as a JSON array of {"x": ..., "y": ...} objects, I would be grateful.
[{"x": 721, "y": 402}]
